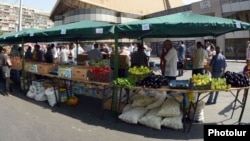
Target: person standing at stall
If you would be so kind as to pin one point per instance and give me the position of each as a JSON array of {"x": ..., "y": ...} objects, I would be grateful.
[
  {"x": 104, "y": 51},
  {"x": 199, "y": 57},
  {"x": 147, "y": 51},
  {"x": 28, "y": 53},
  {"x": 181, "y": 57},
  {"x": 63, "y": 55},
  {"x": 218, "y": 64},
  {"x": 139, "y": 58},
  {"x": 49, "y": 58},
  {"x": 6, "y": 67},
  {"x": 38, "y": 54},
  {"x": 246, "y": 69},
  {"x": 95, "y": 54},
  {"x": 169, "y": 59},
  {"x": 123, "y": 69}
]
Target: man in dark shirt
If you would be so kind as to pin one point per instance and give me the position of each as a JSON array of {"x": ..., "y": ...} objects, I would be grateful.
[
  {"x": 139, "y": 58},
  {"x": 104, "y": 51},
  {"x": 95, "y": 53},
  {"x": 218, "y": 64}
]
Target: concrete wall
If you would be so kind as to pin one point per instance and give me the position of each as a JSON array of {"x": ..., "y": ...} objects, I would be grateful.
[{"x": 141, "y": 7}]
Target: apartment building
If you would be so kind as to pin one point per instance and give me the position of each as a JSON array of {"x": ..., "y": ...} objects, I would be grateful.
[{"x": 9, "y": 18}]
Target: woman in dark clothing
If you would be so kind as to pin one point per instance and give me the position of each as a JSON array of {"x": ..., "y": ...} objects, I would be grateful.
[
  {"x": 6, "y": 67},
  {"x": 37, "y": 54},
  {"x": 49, "y": 55},
  {"x": 139, "y": 58},
  {"x": 28, "y": 54}
]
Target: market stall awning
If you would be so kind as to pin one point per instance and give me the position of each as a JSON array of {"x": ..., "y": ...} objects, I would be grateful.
[
  {"x": 82, "y": 30},
  {"x": 19, "y": 36},
  {"x": 180, "y": 25}
]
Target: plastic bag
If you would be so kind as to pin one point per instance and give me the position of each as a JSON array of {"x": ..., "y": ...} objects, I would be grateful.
[
  {"x": 32, "y": 92},
  {"x": 40, "y": 96},
  {"x": 50, "y": 93}
]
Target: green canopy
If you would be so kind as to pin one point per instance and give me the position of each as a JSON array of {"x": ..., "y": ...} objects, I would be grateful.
[
  {"x": 82, "y": 30},
  {"x": 180, "y": 25},
  {"x": 19, "y": 36}
]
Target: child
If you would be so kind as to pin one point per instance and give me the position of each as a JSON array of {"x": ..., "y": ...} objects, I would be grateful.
[{"x": 246, "y": 70}]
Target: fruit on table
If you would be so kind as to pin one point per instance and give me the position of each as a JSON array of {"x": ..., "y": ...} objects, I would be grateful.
[
  {"x": 139, "y": 70},
  {"x": 201, "y": 79},
  {"x": 219, "y": 84}
]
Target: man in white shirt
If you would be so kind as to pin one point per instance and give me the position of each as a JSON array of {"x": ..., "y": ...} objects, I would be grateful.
[
  {"x": 75, "y": 47},
  {"x": 131, "y": 48},
  {"x": 170, "y": 60},
  {"x": 147, "y": 51},
  {"x": 199, "y": 57}
]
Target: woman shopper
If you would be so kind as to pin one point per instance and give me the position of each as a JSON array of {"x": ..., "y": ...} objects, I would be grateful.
[{"x": 6, "y": 67}]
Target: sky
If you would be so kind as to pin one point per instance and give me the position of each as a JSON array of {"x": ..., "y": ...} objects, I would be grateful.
[{"x": 48, "y": 5}]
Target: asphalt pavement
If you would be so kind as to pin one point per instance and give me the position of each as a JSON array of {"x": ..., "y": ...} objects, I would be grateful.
[{"x": 24, "y": 119}]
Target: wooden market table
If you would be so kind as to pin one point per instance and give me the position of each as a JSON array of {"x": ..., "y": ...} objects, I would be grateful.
[
  {"x": 201, "y": 94},
  {"x": 55, "y": 79}
]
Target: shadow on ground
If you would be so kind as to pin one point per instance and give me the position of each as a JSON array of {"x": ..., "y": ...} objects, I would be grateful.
[{"x": 88, "y": 111}]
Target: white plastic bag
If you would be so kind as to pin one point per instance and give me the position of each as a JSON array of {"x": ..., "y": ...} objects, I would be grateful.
[
  {"x": 132, "y": 115},
  {"x": 40, "y": 96},
  {"x": 32, "y": 92},
  {"x": 150, "y": 119},
  {"x": 199, "y": 114},
  {"x": 50, "y": 93}
]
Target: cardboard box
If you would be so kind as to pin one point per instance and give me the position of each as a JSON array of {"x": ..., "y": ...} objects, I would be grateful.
[
  {"x": 65, "y": 71},
  {"x": 38, "y": 83},
  {"x": 81, "y": 58},
  {"x": 44, "y": 68},
  {"x": 30, "y": 67},
  {"x": 17, "y": 66},
  {"x": 123, "y": 61},
  {"x": 80, "y": 73},
  {"x": 47, "y": 84}
]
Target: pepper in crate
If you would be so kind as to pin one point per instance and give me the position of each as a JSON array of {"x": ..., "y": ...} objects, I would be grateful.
[
  {"x": 101, "y": 74},
  {"x": 124, "y": 82}
]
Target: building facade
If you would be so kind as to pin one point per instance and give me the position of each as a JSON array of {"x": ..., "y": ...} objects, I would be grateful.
[
  {"x": 233, "y": 44},
  {"x": 113, "y": 11},
  {"x": 9, "y": 18}
]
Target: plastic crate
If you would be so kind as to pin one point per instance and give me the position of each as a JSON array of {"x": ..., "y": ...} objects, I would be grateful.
[
  {"x": 179, "y": 84},
  {"x": 101, "y": 77},
  {"x": 201, "y": 87}
]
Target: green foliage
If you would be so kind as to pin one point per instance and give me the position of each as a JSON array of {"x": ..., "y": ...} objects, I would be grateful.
[{"x": 124, "y": 82}]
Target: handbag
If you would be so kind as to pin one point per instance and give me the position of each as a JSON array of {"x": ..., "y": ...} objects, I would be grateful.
[{"x": 180, "y": 65}]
